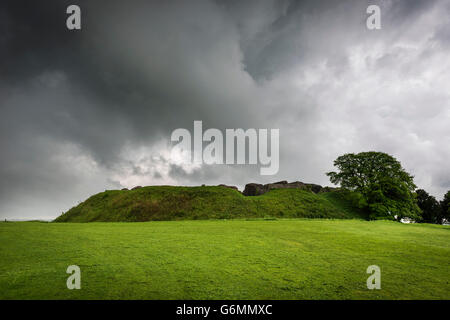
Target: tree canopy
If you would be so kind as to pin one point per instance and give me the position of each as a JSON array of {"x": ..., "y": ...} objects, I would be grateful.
[
  {"x": 445, "y": 207},
  {"x": 387, "y": 189},
  {"x": 431, "y": 209}
]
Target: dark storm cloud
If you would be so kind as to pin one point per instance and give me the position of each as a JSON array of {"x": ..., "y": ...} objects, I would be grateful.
[
  {"x": 112, "y": 77},
  {"x": 284, "y": 37},
  {"x": 82, "y": 111}
]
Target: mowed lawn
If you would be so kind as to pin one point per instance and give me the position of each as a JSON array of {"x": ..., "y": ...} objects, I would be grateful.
[{"x": 225, "y": 259}]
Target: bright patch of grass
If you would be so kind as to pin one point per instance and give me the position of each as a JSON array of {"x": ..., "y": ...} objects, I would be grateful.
[{"x": 233, "y": 259}]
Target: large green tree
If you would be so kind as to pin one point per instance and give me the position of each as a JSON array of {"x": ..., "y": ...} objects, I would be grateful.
[{"x": 386, "y": 188}]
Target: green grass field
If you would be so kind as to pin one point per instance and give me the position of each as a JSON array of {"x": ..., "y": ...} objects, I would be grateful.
[{"x": 225, "y": 259}]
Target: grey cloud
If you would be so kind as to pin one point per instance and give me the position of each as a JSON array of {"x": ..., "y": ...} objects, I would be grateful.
[{"x": 77, "y": 107}]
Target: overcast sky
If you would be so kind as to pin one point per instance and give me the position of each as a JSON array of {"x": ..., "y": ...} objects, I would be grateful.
[{"x": 89, "y": 110}]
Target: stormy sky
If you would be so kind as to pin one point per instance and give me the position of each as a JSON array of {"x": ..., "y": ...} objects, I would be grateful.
[{"x": 93, "y": 109}]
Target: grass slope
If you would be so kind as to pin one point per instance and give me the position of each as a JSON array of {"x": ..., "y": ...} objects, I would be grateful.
[
  {"x": 180, "y": 203},
  {"x": 218, "y": 259}
]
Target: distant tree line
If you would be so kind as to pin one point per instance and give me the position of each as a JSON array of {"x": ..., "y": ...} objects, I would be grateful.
[
  {"x": 433, "y": 211},
  {"x": 386, "y": 190}
]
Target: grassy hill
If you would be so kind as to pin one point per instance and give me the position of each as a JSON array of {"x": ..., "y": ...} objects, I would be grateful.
[{"x": 209, "y": 202}]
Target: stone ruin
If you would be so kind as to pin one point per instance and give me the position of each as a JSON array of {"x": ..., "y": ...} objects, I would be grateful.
[{"x": 256, "y": 189}]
